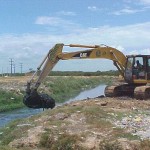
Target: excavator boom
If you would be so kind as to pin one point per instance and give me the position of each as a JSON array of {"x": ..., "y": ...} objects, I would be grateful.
[{"x": 34, "y": 100}]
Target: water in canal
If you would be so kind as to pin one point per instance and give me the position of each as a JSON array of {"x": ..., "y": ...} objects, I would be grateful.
[
  {"x": 6, "y": 117},
  {"x": 91, "y": 93}
]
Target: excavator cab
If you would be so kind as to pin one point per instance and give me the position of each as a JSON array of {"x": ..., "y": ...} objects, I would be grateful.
[
  {"x": 137, "y": 69},
  {"x": 137, "y": 77}
]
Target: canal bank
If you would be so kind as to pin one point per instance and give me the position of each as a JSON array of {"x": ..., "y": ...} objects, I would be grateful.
[
  {"x": 9, "y": 116},
  {"x": 96, "y": 123}
]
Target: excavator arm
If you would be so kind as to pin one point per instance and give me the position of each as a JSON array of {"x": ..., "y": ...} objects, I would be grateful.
[
  {"x": 34, "y": 100},
  {"x": 97, "y": 52}
]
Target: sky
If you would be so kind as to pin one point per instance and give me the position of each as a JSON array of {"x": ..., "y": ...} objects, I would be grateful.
[{"x": 29, "y": 28}]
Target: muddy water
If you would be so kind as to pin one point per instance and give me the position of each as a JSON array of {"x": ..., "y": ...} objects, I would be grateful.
[{"x": 6, "y": 117}]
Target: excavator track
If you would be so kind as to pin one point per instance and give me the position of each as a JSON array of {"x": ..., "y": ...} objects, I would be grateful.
[
  {"x": 138, "y": 92},
  {"x": 119, "y": 90},
  {"x": 142, "y": 92},
  {"x": 111, "y": 91}
]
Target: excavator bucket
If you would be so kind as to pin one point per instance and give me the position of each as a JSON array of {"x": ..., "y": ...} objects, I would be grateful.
[{"x": 35, "y": 100}]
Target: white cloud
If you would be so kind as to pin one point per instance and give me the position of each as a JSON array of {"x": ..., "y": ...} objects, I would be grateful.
[
  {"x": 44, "y": 20},
  {"x": 93, "y": 8},
  {"x": 145, "y": 2},
  {"x": 30, "y": 49},
  {"x": 132, "y": 7},
  {"x": 127, "y": 10},
  {"x": 66, "y": 13},
  {"x": 125, "y": 36},
  {"x": 146, "y": 51},
  {"x": 56, "y": 25},
  {"x": 138, "y": 2}
]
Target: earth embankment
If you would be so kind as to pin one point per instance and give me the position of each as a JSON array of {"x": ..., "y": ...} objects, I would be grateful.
[{"x": 90, "y": 124}]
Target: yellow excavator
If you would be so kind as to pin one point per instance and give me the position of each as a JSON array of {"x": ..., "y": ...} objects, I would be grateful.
[{"x": 135, "y": 69}]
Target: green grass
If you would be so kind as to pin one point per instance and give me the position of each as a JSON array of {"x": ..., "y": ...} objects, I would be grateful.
[
  {"x": 10, "y": 101},
  {"x": 107, "y": 145},
  {"x": 97, "y": 117},
  {"x": 60, "y": 88},
  {"x": 6, "y": 148},
  {"x": 120, "y": 133},
  {"x": 13, "y": 131},
  {"x": 64, "y": 141},
  {"x": 8, "y": 133},
  {"x": 145, "y": 145},
  {"x": 63, "y": 88}
]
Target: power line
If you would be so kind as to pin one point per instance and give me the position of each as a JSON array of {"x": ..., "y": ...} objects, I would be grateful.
[{"x": 11, "y": 65}]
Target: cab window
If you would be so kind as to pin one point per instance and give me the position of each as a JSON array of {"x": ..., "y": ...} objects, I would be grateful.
[
  {"x": 148, "y": 70},
  {"x": 138, "y": 68},
  {"x": 129, "y": 63}
]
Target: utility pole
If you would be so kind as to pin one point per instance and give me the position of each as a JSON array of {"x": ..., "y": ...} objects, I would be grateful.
[
  {"x": 11, "y": 65},
  {"x": 21, "y": 67},
  {"x": 14, "y": 68}
]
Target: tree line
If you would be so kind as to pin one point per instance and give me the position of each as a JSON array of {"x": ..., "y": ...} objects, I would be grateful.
[
  {"x": 80, "y": 73},
  {"x": 71, "y": 73}
]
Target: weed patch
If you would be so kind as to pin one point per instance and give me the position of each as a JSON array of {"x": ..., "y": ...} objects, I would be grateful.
[
  {"x": 60, "y": 88},
  {"x": 120, "y": 133},
  {"x": 6, "y": 148},
  {"x": 13, "y": 131},
  {"x": 145, "y": 145},
  {"x": 63, "y": 88},
  {"x": 61, "y": 142},
  {"x": 9, "y": 101},
  {"x": 107, "y": 145},
  {"x": 97, "y": 117}
]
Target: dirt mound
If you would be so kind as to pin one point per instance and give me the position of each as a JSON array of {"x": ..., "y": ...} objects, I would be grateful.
[{"x": 89, "y": 124}]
